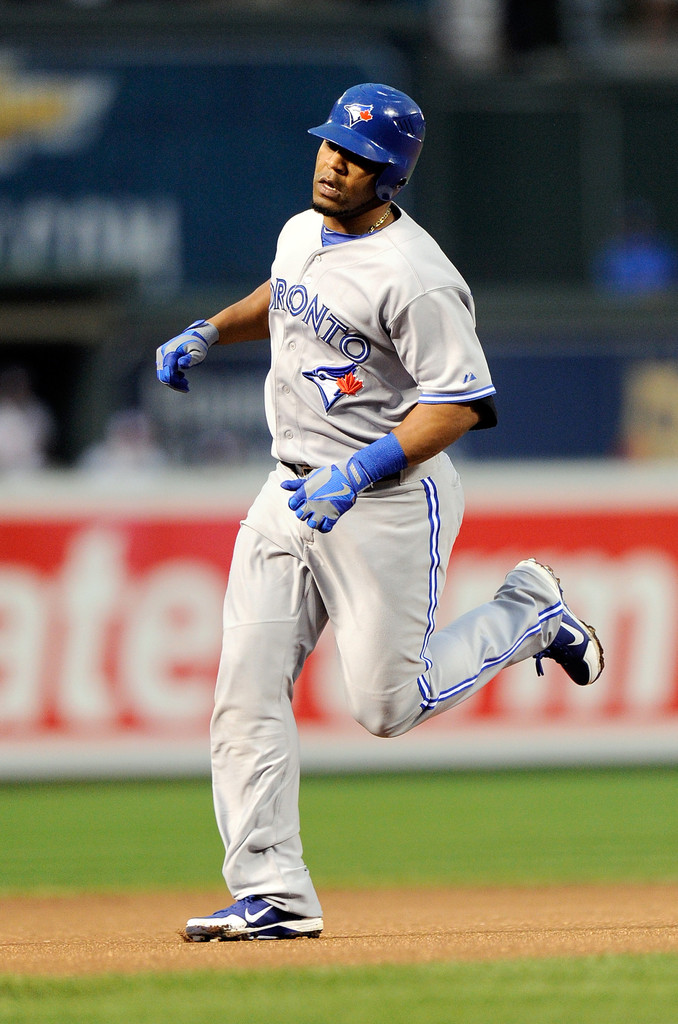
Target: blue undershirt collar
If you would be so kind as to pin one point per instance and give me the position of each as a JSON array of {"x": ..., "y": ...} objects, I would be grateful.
[{"x": 330, "y": 237}]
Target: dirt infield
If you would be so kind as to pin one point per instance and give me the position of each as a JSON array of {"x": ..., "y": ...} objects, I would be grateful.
[{"x": 130, "y": 933}]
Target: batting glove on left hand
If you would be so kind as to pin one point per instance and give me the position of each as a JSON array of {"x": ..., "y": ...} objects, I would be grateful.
[
  {"x": 330, "y": 491},
  {"x": 188, "y": 349},
  {"x": 320, "y": 498}
]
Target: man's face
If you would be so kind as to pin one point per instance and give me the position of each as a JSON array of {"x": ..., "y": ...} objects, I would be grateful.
[{"x": 343, "y": 183}]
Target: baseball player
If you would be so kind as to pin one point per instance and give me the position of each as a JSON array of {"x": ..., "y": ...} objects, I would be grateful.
[{"x": 376, "y": 369}]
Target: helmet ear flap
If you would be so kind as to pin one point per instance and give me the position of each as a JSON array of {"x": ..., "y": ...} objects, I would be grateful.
[{"x": 386, "y": 187}]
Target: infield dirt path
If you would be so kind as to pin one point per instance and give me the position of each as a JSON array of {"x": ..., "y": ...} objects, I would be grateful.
[{"x": 129, "y": 933}]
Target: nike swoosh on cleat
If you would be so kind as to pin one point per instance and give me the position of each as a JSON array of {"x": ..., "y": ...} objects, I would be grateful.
[
  {"x": 579, "y": 637},
  {"x": 252, "y": 918}
]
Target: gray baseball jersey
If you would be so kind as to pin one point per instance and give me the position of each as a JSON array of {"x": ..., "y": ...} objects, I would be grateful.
[{"x": 361, "y": 332}]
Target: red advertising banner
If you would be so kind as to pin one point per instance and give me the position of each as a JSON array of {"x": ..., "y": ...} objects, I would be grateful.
[{"x": 110, "y": 630}]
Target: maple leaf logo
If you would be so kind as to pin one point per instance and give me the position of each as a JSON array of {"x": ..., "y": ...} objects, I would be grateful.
[{"x": 349, "y": 384}]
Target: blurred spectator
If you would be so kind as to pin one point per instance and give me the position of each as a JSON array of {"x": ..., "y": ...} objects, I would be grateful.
[
  {"x": 26, "y": 425},
  {"x": 639, "y": 259},
  {"x": 480, "y": 32},
  {"x": 128, "y": 447},
  {"x": 470, "y": 30}
]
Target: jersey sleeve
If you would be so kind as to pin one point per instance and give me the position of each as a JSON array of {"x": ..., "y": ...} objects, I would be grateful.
[{"x": 436, "y": 340}]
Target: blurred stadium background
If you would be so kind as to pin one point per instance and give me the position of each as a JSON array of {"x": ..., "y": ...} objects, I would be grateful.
[{"x": 149, "y": 154}]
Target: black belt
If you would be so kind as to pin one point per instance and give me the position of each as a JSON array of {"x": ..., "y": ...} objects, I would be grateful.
[
  {"x": 298, "y": 468},
  {"x": 301, "y": 469}
]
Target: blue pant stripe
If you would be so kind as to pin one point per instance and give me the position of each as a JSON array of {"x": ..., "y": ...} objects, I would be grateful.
[
  {"x": 433, "y": 503},
  {"x": 425, "y": 690}
]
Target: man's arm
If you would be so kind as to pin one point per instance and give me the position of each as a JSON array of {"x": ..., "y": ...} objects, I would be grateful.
[
  {"x": 429, "y": 429},
  {"x": 323, "y": 496},
  {"x": 245, "y": 320}
]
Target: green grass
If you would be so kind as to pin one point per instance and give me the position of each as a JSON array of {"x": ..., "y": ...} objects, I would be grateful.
[
  {"x": 386, "y": 830},
  {"x": 489, "y": 828},
  {"x": 586, "y": 990},
  {"x": 522, "y": 827},
  {"x": 98, "y": 836}
]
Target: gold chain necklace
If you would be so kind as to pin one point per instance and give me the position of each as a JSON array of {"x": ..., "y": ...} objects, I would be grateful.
[{"x": 380, "y": 221}]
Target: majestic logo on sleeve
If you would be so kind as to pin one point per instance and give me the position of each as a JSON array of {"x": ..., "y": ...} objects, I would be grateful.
[
  {"x": 334, "y": 381},
  {"x": 357, "y": 112}
]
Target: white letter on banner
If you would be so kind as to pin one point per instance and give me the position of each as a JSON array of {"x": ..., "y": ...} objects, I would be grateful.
[
  {"x": 633, "y": 602},
  {"x": 22, "y": 645},
  {"x": 171, "y": 644},
  {"x": 93, "y": 580}
]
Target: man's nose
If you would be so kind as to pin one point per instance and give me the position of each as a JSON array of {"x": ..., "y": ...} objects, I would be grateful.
[{"x": 337, "y": 162}]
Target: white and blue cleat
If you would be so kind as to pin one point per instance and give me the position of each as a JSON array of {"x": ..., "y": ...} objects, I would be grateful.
[
  {"x": 251, "y": 918},
  {"x": 576, "y": 648}
]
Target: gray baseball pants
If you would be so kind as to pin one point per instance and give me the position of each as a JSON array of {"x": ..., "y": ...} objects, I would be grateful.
[{"x": 377, "y": 578}]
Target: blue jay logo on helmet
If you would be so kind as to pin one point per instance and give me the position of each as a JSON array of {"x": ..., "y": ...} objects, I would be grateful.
[{"x": 358, "y": 112}]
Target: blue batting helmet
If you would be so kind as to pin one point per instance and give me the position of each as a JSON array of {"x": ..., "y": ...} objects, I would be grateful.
[{"x": 381, "y": 124}]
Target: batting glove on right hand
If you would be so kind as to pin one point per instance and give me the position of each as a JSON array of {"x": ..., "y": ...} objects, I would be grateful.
[{"x": 187, "y": 349}]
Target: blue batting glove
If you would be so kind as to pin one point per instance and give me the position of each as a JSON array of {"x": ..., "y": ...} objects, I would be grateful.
[
  {"x": 320, "y": 498},
  {"x": 328, "y": 492},
  {"x": 188, "y": 349}
]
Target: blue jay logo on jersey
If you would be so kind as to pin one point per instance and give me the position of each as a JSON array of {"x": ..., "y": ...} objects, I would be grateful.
[
  {"x": 333, "y": 382},
  {"x": 358, "y": 112}
]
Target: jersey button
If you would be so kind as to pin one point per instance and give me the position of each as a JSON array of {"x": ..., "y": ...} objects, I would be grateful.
[
  {"x": 289, "y": 434},
  {"x": 317, "y": 259},
  {"x": 293, "y": 345},
  {"x": 285, "y": 389}
]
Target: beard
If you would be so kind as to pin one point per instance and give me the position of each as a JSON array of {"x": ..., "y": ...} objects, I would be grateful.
[{"x": 333, "y": 209}]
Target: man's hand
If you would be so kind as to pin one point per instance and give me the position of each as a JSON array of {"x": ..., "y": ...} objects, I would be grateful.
[
  {"x": 188, "y": 349},
  {"x": 320, "y": 498}
]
